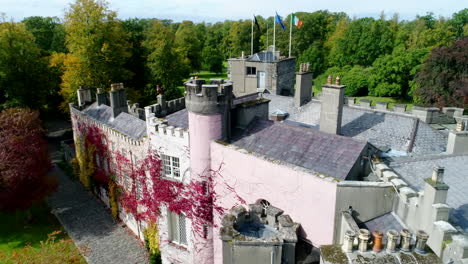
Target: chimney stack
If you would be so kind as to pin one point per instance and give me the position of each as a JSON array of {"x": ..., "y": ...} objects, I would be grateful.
[
  {"x": 84, "y": 95},
  {"x": 438, "y": 174},
  {"x": 303, "y": 93},
  {"x": 101, "y": 97},
  {"x": 118, "y": 99},
  {"x": 332, "y": 106},
  {"x": 458, "y": 138}
]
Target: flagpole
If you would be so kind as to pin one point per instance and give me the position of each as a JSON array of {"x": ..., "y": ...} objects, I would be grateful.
[
  {"x": 251, "y": 41},
  {"x": 274, "y": 35},
  {"x": 290, "y": 36}
]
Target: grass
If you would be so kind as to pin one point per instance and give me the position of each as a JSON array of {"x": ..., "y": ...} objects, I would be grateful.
[
  {"x": 390, "y": 100},
  {"x": 38, "y": 240},
  {"x": 205, "y": 75}
]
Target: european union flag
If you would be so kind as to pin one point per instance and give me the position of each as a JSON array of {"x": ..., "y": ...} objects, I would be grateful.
[{"x": 278, "y": 20}]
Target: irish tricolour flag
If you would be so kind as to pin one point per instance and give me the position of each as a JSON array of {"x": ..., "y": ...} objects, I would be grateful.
[{"x": 296, "y": 21}]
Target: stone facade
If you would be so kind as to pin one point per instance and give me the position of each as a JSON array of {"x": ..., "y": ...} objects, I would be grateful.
[{"x": 273, "y": 73}]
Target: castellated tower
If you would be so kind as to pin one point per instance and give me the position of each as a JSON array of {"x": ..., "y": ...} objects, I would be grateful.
[{"x": 208, "y": 108}]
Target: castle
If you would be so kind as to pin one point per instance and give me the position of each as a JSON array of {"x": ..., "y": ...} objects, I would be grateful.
[{"x": 288, "y": 175}]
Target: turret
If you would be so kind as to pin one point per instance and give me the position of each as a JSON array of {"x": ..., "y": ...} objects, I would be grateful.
[{"x": 208, "y": 108}]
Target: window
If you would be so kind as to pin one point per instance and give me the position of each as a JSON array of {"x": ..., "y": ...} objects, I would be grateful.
[
  {"x": 171, "y": 166},
  {"x": 177, "y": 228},
  {"x": 251, "y": 71}
]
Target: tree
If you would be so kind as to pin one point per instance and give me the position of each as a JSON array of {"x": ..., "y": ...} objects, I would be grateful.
[
  {"x": 98, "y": 48},
  {"x": 460, "y": 22},
  {"x": 24, "y": 161},
  {"x": 442, "y": 77},
  {"x": 167, "y": 66},
  {"x": 364, "y": 40},
  {"x": 391, "y": 74},
  {"x": 188, "y": 43},
  {"x": 136, "y": 63},
  {"x": 48, "y": 32},
  {"x": 23, "y": 73},
  {"x": 212, "y": 54}
]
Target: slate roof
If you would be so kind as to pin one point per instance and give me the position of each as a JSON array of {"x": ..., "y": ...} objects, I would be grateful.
[
  {"x": 305, "y": 147},
  {"x": 124, "y": 123},
  {"x": 383, "y": 130},
  {"x": 415, "y": 170},
  {"x": 180, "y": 118},
  {"x": 383, "y": 224},
  {"x": 264, "y": 56}
]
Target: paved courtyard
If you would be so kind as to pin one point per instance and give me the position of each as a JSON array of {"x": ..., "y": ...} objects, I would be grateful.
[{"x": 90, "y": 225}]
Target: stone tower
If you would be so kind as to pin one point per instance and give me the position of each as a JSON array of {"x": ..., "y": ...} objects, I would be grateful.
[
  {"x": 332, "y": 106},
  {"x": 208, "y": 108}
]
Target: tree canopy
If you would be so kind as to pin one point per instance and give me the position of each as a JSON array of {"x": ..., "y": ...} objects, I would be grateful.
[{"x": 24, "y": 160}]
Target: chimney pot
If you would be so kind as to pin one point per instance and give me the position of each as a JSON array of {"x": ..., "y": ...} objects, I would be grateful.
[
  {"x": 364, "y": 236},
  {"x": 329, "y": 80},
  {"x": 337, "y": 80},
  {"x": 421, "y": 239},
  {"x": 392, "y": 237},
  {"x": 405, "y": 240},
  {"x": 438, "y": 174},
  {"x": 377, "y": 241},
  {"x": 348, "y": 241}
]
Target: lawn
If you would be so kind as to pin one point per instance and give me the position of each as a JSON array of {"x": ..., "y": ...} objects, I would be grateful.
[
  {"x": 205, "y": 75},
  {"x": 39, "y": 240}
]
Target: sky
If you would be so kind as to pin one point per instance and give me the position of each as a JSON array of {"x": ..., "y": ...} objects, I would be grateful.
[{"x": 220, "y": 10}]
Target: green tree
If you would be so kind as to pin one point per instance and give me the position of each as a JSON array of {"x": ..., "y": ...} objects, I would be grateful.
[
  {"x": 391, "y": 74},
  {"x": 188, "y": 43},
  {"x": 442, "y": 79},
  {"x": 364, "y": 40},
  {"x": 98, "y": 47},
  {"x": 212, "y": 54},
  {"x": 49, "y": 33},
  {"x": 136, "y": 63},
  {"x": 167, "y": 65},
  {"x": 460, "y": 22},
  {"x": 23, "y": 72}
]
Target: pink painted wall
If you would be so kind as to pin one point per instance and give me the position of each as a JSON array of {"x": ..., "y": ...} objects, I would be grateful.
[
  {"x": 308, "y": 199},
  {"x": 203, "y": 129}
]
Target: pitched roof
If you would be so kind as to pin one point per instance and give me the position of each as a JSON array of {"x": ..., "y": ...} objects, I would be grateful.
[
  {"x": 383, "y": 130},
  {"x": 324, "y": 153},
  {"x": 124, "y": 123}
]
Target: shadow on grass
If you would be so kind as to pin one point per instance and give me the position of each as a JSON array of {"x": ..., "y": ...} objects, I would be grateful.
[{"x": 22, "y": 228}]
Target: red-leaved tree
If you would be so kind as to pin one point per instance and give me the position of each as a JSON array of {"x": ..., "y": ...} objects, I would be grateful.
[{"x": 24, "y": 160}]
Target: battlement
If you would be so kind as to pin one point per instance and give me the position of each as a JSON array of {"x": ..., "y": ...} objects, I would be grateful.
[
  {"x": 430, "y": 115},
  {"x": 157, "y": 126},
  {"x": 210, "y": 98},
  {"x": 163, "y": 107}
]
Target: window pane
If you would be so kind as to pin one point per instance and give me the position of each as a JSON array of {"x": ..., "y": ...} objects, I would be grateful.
[
  {"x": 166, "y": 165},
  {"x": 175, "y": 167},
  {"x": 182, "y": 233}
]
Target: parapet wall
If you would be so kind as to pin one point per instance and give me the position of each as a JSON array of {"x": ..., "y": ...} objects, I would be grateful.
[
  {"x": 160, "y": 109},
  {"x": 430, "y": 115},
  {"x": 426, "y": 211}
]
